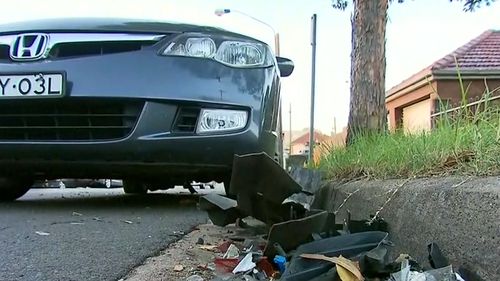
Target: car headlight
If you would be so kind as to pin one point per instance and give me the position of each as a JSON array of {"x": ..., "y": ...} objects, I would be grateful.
[
  {"x": 221, "y": 120},
  {"x": 229, "y": 51}
]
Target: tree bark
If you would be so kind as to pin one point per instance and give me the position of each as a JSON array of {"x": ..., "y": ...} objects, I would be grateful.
[{"x": 367, "y": 113}]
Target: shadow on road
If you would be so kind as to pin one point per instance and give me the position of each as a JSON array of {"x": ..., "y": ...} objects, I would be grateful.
[{"x": 100, "y": 200}]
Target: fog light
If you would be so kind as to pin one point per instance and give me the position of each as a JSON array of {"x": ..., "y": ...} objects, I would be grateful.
[{"x": 221, "y": 120}]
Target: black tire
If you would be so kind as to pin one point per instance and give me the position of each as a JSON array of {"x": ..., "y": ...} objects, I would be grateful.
[
  {"x": 134, "y": 187},
  {"x": 12, "y": 188}
]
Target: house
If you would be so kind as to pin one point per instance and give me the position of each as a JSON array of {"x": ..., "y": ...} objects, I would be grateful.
[
  {"x": 289, "y": 137},
  {"x": 301, "y": 144},
  {"x": 411, "y": 103}
]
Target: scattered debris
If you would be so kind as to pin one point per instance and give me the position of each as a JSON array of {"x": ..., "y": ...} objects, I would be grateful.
[
  {"x": 178, "y": 267},
  {"x": 223, "y": 266},
  {"x": 76, "y": 214},
  {"x": 280, "y": 262},
  {"x": 42, "y": 233},
  {"x": 347, "y": 269},
  {"x": 221, "y": 210},
  {"x": 77, "y": 223},
  {"x": 436, "y": 258},
  {"x": 291, "y": 241},
  {"x": 127, "y": 222},
  {"x": 246, "y": 264},
  {"x": 178, "y": 233},
  {"x": 302, "y": 230},
  {"x": 194, "y": 278},
  {"x": 208, "y": 247},
  {"x": 232, "y": 252}
]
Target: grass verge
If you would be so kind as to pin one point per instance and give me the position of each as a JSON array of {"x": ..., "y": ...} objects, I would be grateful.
[{"x": 467, "y": 143}]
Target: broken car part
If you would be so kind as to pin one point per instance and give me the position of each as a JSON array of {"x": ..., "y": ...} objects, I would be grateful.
[
  {"x": 221, "y": 210},
  {"x": 349, "y": 245},
  {"x": 301, "y": 230}
]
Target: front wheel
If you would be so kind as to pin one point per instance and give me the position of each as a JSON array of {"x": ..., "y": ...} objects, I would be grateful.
[
  {"x": 134, "y": 187},
  {"x": 12, "y": 188}
]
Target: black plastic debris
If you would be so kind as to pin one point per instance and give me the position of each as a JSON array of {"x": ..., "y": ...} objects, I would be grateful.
[
  {"x": 261, "y": 185},
  {"x": 290, "y": 234},
  {"x": 436, "y": 257},
  {"x": 355, "y": 226},
  {"x": 310, "y": 181},
  {"x": 221, "y": 210},
  {"x": 348, "y": 246},
  {"x": 374, "y": 263}
]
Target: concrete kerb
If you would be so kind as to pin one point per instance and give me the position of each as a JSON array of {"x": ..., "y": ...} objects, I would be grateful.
[{"x": 461, "y": 215}]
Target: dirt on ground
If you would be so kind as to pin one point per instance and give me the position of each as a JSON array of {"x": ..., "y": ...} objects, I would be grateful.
[{"x": 194, "y": 254}]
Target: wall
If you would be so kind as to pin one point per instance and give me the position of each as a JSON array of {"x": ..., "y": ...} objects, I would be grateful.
[
  {"x": 395, "y": 106},
  {"x": 450, "y": 89},
  {"x": 299, "y": 148},
  {"x": 417, "y": 117},
  {"x": 462, "y": 215}
]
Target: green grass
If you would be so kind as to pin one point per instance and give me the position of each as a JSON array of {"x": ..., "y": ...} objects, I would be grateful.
[{"x": 466, "y": 144}]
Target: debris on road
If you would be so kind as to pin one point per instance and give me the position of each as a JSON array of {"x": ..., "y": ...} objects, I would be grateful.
[
  {"x": 245, "y": 265},
  {"x": 232, "y": 252},
  {"x": 194, "y": 278},
  {"x": 127, "y": 222},
  {"x": 178, "y": 267},
  {"x": 272, "y": 232},
  {"x": 76, "y": 214},
  {"x": 42, "y": 233}
]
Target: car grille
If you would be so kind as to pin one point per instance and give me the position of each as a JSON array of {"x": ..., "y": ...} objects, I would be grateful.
[
  {"x": 4, "y": 52},
  {"x": 186, "y": 120},
  {"x": 80, "y": 49},
  {"x": 67, "y": 120}
]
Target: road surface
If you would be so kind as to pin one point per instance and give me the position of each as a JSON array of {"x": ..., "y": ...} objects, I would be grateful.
[{"x": 88, "y": 234}]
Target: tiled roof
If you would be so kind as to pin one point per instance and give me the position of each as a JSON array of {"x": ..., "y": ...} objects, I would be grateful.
[
  {"x": 480, "y": 54},
  {"x": 319, "y": 137}
]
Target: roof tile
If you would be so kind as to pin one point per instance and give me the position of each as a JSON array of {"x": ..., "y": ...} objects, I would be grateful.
[{"x": 481, "y": 53}]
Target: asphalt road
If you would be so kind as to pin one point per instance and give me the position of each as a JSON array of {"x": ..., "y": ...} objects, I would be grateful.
[{"x": 88, "y": 234}]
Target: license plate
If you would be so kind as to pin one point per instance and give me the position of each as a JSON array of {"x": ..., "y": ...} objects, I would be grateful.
[{"x": 31, "y": 85}]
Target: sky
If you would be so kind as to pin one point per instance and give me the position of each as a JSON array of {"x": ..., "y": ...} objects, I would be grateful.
[{"x": 418, "y": 33}]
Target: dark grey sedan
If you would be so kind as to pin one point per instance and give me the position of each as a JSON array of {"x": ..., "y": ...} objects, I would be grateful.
[{"x": 153, "y": 103}]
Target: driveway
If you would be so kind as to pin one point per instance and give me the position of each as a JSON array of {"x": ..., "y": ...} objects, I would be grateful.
[{"x": 89, "y": 234}]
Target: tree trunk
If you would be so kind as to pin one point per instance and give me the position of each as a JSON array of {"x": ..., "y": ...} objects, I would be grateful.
[{"x": 367, "y": 113}]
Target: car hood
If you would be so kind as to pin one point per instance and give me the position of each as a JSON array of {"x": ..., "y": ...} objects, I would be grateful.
[{"x": 107, "y": 25}]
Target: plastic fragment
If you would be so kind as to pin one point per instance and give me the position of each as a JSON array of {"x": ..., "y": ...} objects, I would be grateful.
[
  {"x": 347, "y": 264},
  {"x": 265, "y": 266},
  {"x": 194, "y": 278},
  {"x": 436, "y": 257},
  {"x": 245, "y": 264},
  {"x": 225, "y": 265},
  {"x": 232, "y": 252},
  {"x": 459, "y": 278},
  {"x": 280, "y": 262},
  {"x": 42, "y": 233},
  {"x": 207, "y": 247}
]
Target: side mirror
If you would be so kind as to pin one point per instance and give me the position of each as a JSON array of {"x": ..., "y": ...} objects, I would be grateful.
[{"x": 286, "y": 66}]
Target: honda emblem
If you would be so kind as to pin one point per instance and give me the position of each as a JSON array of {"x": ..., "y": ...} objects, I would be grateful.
[{"x": 30, "y": 46}]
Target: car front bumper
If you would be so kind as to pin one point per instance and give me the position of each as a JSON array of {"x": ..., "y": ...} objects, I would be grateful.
[{"x": 162, "y": 85}]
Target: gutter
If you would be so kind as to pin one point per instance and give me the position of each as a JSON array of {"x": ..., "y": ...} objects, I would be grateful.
[
  {"x": 446, "y": 74},
  {"x": 427, "y": 78}
]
